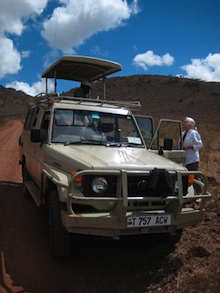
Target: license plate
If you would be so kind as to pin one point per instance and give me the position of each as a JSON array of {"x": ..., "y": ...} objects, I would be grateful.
[{"x": 148, "y": 221}]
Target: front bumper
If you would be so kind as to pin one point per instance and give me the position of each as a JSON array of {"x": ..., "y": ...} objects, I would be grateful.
[
  {"x": 113, "y": 223},
  {"x": 105, "y": 224}
]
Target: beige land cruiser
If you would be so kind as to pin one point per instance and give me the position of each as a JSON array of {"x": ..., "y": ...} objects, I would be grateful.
[{"x": 100, "y": 169}]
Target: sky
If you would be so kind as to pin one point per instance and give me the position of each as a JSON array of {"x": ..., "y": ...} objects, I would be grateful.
[{"x": 172, "y": 37}]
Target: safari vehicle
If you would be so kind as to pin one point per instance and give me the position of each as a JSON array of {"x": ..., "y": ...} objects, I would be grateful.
[{"x": 100, "y": 169}]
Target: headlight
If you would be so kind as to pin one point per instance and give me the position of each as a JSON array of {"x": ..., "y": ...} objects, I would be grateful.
[{"x": 99, "y": 185}]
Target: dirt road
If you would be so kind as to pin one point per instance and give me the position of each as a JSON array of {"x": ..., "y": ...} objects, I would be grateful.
[
  {"x": 10, "y": 170},
  {"x": 97, "y": 264}
]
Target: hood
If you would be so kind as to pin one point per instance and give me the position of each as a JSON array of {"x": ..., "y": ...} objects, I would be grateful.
[{"x": 102, "y": 157}]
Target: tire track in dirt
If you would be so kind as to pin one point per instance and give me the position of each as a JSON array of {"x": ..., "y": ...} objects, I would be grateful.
[{"x": 10, "y": 170}]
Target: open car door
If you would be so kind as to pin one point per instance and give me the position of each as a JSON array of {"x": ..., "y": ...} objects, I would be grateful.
[{"x": 166, "y": 139}]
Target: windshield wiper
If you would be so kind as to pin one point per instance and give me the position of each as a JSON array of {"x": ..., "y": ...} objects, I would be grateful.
[
  {"x": 86, "y": 141},
  {"x": 72, "y": 142},
  {"x": 123, "y": 144},
  {"x": 136, "y": 145},
  {"x": 113, "y": 144},
  {"x": 99, "y": 142}
]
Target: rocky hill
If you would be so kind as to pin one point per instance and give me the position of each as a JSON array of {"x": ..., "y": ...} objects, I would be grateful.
[
  {"x": 166, "y": 96},
  {"x": 13, "y": 104},
  {"x": 174, "y": 98},
  {"x": 160, "y": 96}
]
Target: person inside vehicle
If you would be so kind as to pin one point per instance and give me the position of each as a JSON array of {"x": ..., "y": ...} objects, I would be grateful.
[{"x": 83, "y": 90}]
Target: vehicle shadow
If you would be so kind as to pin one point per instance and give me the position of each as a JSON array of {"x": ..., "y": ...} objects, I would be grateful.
[{"x": 97, "y": 264}]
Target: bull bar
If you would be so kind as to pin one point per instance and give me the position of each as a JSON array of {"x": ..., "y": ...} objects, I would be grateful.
[{"x": 114, "y": 222}]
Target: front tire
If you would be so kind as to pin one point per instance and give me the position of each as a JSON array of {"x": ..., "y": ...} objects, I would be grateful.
[
  {"x": 168, "y": 238},
  {"x": 60, "y": 238},
  {"x": 25, "y": 176}
]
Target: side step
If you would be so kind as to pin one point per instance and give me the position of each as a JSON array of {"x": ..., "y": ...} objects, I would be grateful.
[{"x": 34, "y": 191}]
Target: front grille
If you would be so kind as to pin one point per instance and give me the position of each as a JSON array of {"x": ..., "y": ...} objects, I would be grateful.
[{"x": 137, "y": 185}]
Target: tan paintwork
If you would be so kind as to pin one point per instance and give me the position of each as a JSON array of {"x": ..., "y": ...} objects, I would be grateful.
[{"x": 49, "y": 162}]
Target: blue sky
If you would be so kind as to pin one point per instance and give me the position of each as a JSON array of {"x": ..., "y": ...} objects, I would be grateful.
[{"x": 172, "y": 37}]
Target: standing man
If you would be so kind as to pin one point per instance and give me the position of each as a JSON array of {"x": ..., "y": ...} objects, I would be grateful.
[{"x": 192, "y": 144}]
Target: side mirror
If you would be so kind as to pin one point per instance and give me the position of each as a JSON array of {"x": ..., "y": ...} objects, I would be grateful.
[
  {"x": 168, "y": 144},
  {"x": 38, "y": 135}
]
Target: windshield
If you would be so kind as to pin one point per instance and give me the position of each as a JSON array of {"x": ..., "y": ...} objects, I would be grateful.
[{"x": 87, "y": 127}]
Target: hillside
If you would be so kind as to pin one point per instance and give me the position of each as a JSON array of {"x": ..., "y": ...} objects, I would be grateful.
[
  {"x": 13, "y": 104},
  {"x": 160, "y": 97}
]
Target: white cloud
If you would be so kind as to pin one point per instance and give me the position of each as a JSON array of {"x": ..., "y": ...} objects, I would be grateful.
[
  {"x": 149, "y": 59},
  {"x": 207, "y": 69},
  {"x": 36, "y": 88},
  {"x": 25, "y": 54},
  {"x": 69, "y": 25},
  {"x": 10, "y": 58},
  {"x": 13, "y": 15},
  {"x": 76, "y": 21},
  {"x": 98, "y": 52}
]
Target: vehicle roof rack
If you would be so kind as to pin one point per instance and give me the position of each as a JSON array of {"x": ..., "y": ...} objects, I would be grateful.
[
  {"x": 44, "y": 98},
  {"x": 80, "y": 68}
]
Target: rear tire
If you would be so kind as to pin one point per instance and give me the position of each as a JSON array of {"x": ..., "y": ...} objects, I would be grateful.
[{"x": 60, "y": 238}]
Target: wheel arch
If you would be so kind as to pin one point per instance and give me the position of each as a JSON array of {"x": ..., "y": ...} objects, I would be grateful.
[{"x": 48, "y": 186}]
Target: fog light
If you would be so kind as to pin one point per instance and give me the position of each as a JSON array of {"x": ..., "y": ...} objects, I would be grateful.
[{"x": 99, "y": 185}]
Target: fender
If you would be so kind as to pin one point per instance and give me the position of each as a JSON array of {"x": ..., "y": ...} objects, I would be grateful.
[{"x": 58, "y": 177}]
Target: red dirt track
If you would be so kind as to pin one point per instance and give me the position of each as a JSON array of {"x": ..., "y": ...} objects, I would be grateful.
[
  {"x": 10, "y": 170},
  {"x": 97, "y": 265}
]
